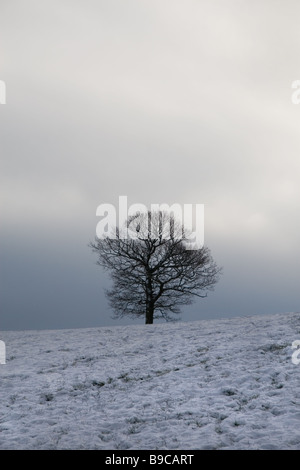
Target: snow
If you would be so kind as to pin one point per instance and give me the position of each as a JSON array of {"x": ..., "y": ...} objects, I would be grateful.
[{"x": 218, "y": 384}]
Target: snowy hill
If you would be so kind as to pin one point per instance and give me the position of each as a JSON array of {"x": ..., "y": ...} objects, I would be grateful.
[{"x": 219, "y": 384}]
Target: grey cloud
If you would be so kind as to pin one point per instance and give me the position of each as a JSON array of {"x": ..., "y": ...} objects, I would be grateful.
[{"x": 163, "y": 102}]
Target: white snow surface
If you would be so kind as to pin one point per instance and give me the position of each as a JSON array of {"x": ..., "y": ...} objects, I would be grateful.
[{"x": 216, "y": 384}]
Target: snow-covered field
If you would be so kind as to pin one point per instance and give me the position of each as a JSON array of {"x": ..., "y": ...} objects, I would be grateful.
[{"x": 219, "y": 384}]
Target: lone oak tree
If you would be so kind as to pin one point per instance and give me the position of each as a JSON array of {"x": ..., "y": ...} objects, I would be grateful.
[{"x": 154, "y": 270}]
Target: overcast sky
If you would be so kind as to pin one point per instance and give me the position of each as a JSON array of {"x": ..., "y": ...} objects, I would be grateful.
[{"x": 164, "y": 101}]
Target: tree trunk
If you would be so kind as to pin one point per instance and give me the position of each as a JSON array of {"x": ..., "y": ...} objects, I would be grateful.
[
  {"x": 149, "y": 313},
  {"x": 149, "y": 300}
]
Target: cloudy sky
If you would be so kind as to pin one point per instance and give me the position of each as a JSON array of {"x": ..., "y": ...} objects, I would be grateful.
[{"x": 164, "y": 101}]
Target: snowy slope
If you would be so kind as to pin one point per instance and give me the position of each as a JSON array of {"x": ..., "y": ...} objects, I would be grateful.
[{"x": 219, "y": 384}]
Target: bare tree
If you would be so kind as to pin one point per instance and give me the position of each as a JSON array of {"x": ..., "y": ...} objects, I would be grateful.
[{"x": 153, "y": 270}]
